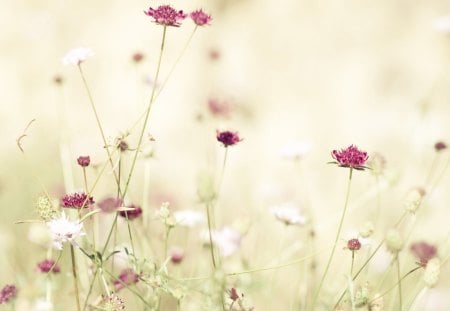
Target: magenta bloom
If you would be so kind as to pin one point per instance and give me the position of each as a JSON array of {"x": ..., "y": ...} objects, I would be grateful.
[
  {"x": 200, "y": 18},
  {"x": 424, "y": 252},
  {"x": 350, "y": 157},
  {"x": 109, "y": 205},
  {"x": 228, "y": 138},
  {"x": 439, "y": 146},
  {"x": 126, "y": 277},
  {"x": 77, "y": 200},
  {"x": 7, "y": 293},
  {"x": 166, "y": 15},
  {"x": 133, "y": 214},
  {"x": 219, "y": 108},
  {"x": 233, "y": 294},
  {"x": 48, "y": 265},
  {"x": 354, "y": 245},
  {"x": 84, "y": 161}
]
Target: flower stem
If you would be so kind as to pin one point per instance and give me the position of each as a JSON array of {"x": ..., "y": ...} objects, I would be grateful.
[
  {"x": 208, "y": 214},
  {"x": 399, "y": 281},
  {"x": 335, "y": 241},
  {"x": 75, "y": 278}
]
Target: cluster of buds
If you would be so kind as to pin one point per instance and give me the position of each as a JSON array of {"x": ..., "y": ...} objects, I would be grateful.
[{"x": 165, "y": 215}]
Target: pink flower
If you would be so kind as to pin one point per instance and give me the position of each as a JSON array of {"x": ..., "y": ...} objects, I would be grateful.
[
  {"x": 165, "y": 15},
  {"x": 77, "y": 200},
  {"x": 200, "y": 18},
  {"x": 133, "y": 214},
  {"x": 84, "y": 161},
  {"x": 354, "y": 245},
  {"x": 48, "y": 265},
  {"x": 424, "y": 252},
  {"x": 109, "y": 205},
  {"x": 219, "y": 108},
  {"x": 126, "y": 277},
  {"x": 228, "y": 138},
  {"x": 439, "y": 146},
  {"x": 350, "y": 157},
  {"x": 7, "y": 293},
  {"x": 138, "y": 57}
]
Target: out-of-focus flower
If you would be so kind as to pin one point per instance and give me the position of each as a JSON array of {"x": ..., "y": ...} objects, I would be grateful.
[
  {"x": 77, "y": 200},
  {"x": 366, "y": 229},
  {"x": 109, "y": 205},
  {"x": 84, "y": 161},
  {"x": 45, "y": 208},
  {"x": 63, "y": 230},
  {"x": 377, "y": 163},
  {"x": 232, "y": 293},
  {"x": 289, "y": 214},
  {"x": 137, "y": 57},
  {"x": 350, "y": 157},
  {"x": 394, "y": 241},
  {"x": 125, "y": 278},
  {"x": 77, "y": 56},
  {"x": 189, "y": 218},
  {"x": 354, "y": 241},
  {"x": 432, "y": 272},
  {"x": 8, "y": 293},
  {"x": 361, "y": 297},
  {"x": 228, "y": 138},
  {"x": 165, "y": 215},
  {"x": 176, "y": 255},
  {"x": 48, "y": 265},
  {"x": 200, "y": 18},
  {"x": 295, "y": 150},
  {"x": 424, "y": 252},
  {"x": 227, "y": 240},
  {"x": 132, "y": 214},
  {"x": 112, "y": 302},
  {"x": 166, "y": 15},
  {"x": 442, "y": 24},
  {"x": 219, "y": 108},
  {"x": 354, "y": 245},
  {"x": 413, "y": 199},
  {"x": 439, "y": 146}
]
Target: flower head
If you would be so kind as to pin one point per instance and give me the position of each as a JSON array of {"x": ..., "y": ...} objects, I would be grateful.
[
  {"x": 166, "y": 15},
  {"x": 77, "y": 56},
  {"x": 112, "y": 302},
  {"x": 138, "y": 57},
  {"x": 219, "y": 108},
  {"x": 432, "y": 272},
  {"x": 288, "y": 214},
  {"x": 424, "y": 252},
  {"x": 133, "y": 214},
  {"x": 200, "y": 18},
  {"x": 77, "y": 200},
  {"x": 439, "y": 146},
  {"x": 228, "y": 138},
  {"x": 110, "y": 204},
  {"x": 350, "y": 157},
  {"x": 45, "y": 208},
  {"x": 48, "y": 265},
  {"x": 176, "y": 255},
  {"x": 126, "y": 277},
  {"x": 354, "y": 245},
  {"x": 7, "y": 293},
  {"x": 64, "y": 230},
  {"x": 84, "y": 161},
  {"x": 233, "y": 294},
  {"x": 227, "y": 240}
]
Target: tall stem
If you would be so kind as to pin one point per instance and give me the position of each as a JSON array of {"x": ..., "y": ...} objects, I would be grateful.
[
  {"x": 335, "y": 241},
  {"x": 75, "y": 278},
  {"x": 399, "y": 280},
  {"x": 208, "y": 214}
]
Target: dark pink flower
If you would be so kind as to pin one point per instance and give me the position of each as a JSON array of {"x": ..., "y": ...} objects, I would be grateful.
[
  {"x": 354, "y": 245},
  {"x": 7, "y": 293},
  {"x": 350, "y": 157},
  {"x": 84, "y": 161},
  {"x": 200, "y": 18},
  {"x": 77, "y": 200},
  {"x": 138, "y": 57},
  {"x": 439, "y": 146},
  {"x": 126, "y": 277},
  {"x": 109, "y": 205},
  {"x": 176, "y": 255},
  {"x": 166, "y": 15},
  {"x": 228, "y": 138},
  {"x": 48, "y": 265},
  {"x": 133, "y": 214},
  {"x": 424, "y": 252},
  {"x": 233, "y": 294},
  {"x": 219, "y": 108}
]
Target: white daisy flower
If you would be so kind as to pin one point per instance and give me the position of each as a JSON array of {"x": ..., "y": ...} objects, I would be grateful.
[
  {"x": 289, "y": 214},
  {"x": 189, "y": 218},
  {"x": 227, "y": 240},
  {"x": 63, "y": 230},
  {"x": 77, "y": 56}
]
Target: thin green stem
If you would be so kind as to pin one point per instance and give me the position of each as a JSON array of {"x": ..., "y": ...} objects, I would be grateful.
[
  {"x": 316, "y": 296},
  {"x": 75, "y": 278},
  {"x": 208, "y": 214},
  {"x": 399, "y": 282},
  {"x": 150, "y": 104},
  {"x": 353, "y": 261}
]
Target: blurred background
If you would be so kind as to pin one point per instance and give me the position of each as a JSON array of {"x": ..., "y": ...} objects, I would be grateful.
[{"x": 320, "y": 74}]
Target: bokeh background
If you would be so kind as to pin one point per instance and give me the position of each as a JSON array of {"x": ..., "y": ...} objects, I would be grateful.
[{"x": 329, "y": 74}]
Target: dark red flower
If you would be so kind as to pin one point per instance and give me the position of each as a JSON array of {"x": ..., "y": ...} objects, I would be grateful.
[
  {"x": 125, "y": 278},
  {"x": 353, "y": 245},
  {"x": 233, "y": 294},
  {"x": 350, "y": 157},
  {"x": 109, "y": 205},
  {"x": 133, "y": 214},
  {"x": 138, "y": 57},
  {"x": 48, "y": 265},
  {"x": 7, "y": 293},
  {"x": 228, "y": 138},
  {"x": 77, "y": 200},
  {"x": 166, "y": 15},
  {"x": 84, "y": 161},
  {"x": 439, "y": 146}
]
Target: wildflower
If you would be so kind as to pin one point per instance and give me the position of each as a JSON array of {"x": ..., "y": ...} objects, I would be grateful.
[
  {"x": 48, "y": 265},
  {"x": 394, "y": 241},
  {"x": 165, "y": 215},
  {"x": 112, "y": 302},
  {"x": 227, "y": 240},
  {"x": 189, "y": 218},
  {"x": 77, "y": 200},
  {"x": 77, "y": 56},
  {"x": 354, "y": 245},
  {"x": 138, "y": 57},
  {"x": 84, "y": 161},
  {"x": 176, "y": 255},
  {"x": 126, "y": 277},
  {"x": 233, "y": 294},
  {"x": 295, "y": 150},
  {"x": 350, "y": 157},
  {"x": 219, "y": 108},
  {"x": 439, "y": 146},
  {"x": 7, "y": 293},
  {"x": 109, "y": 205},
  {"x": 227, "y": 138},
  {"x": 288, "y": 214},
  {"x": 413, "y": 199},
  {"x": 165, "y": 15},
  {"x": 64, "y": 230},
  {"x": 45, "y": 208},
  {"x": 361, "y": 297},
  {"x": 200, "y": 18},
  {"x": 132, "y": 214},
  {"x": 432, "y": 272},
  {"x": 424, "y": 252}
]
